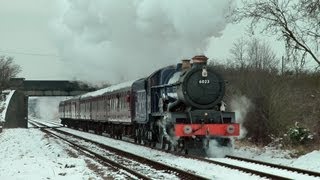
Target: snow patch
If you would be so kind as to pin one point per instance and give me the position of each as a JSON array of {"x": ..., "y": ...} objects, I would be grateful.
[
  {"x": 310, "y": 161},
  {"x": 4, "y": 102},
  {"x": 108, "y": 89},
  {"x": 29, "y": 154}
]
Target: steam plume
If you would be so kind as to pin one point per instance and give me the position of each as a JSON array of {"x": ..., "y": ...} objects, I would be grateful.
[
  {"x": 45, "y": 108},
  {"x": 241, "y": 105},
  {"x": 217, "y": 151},
  {"x": 119, "y": 40}
]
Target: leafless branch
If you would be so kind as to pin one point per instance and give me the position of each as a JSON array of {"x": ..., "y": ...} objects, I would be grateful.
[{"x": 298, "y": 23}]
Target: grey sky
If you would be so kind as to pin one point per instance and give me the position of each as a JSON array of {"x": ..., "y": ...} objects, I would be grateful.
[{"x": 26, "y": 27}]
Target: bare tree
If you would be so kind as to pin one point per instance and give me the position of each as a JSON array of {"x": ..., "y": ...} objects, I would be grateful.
[
  {"x": 311, "y": 9},
  {"x": 8, "y": 70},
  {"x": 254, "y": 53},
  {"x": 238, "y": 52},
  {"x": 261, "y": 56},
  {"x": 295, "y": 22}
]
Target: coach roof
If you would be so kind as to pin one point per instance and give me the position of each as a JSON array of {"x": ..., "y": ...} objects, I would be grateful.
[{"x": 108, "y": 89}]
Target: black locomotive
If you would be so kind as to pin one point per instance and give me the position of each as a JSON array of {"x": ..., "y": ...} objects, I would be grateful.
[{"x": 177, "y": 107}]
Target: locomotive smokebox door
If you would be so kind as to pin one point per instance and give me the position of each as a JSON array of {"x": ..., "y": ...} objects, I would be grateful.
[{"x": 201, "y": 87}]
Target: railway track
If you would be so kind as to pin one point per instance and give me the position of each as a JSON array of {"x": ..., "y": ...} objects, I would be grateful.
[
  {"x": 271, "y": 171},
  {"x": 288, "y": 168},
  {"x": 90, "y": 154},
  {"x": 143, "y": 168}
]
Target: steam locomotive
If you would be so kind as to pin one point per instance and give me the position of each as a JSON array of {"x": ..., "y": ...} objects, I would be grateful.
[{"x": 175, "y": 108}]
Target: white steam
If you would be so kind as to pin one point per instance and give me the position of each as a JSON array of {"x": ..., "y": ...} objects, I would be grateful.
[
  {"x": 241, "y": 106},
  {"x": 112, "y": 40},
  {"x": 217, "y": 151},
  {"x": 45, "y": 108}
]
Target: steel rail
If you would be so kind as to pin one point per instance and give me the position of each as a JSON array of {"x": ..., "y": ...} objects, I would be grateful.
[
  {"x": 247, "y": 170},
  {"x": 293, "y": 169}
]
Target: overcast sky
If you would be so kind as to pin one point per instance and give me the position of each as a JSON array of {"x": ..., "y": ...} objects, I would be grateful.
[
  {"x": 24, "y": 28},
  {"x": 28, "y": 32}
]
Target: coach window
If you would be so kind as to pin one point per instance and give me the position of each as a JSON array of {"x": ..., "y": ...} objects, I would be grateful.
[
  {"x": 118, "y": 102},
  {"x": 111, "y": 100},
  {"x": 87, "y": 106},
  {"x": 121, "y": 102},
  {"x": 124, "y": 100},
  {"x": 105, "y": 103},
  {"x": 111, "y": 103}
]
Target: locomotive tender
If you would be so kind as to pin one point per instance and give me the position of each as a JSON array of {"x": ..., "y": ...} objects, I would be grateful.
[{"x": 176, "y": 107}]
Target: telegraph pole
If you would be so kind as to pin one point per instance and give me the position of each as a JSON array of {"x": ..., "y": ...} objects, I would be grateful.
[{"x": 282, "y": 65}]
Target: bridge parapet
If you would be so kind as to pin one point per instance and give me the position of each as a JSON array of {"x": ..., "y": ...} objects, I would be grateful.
[{"x": 49, "y": 87}]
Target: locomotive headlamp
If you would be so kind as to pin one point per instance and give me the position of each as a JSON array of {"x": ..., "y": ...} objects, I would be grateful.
[
  {"x": 204, "y": 71},
  {"x": 187, "y": 129},
  {"x": 223, "y": 106},
  {"x": 230, "y": 129}
]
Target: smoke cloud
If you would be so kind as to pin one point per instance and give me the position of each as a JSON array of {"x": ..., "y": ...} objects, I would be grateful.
[
  {"x": 112, "y": 40},
  {"x": 217, "y": 151},
  {"x": 45, "y": 108},
  {"x": 241, "y": 106}
]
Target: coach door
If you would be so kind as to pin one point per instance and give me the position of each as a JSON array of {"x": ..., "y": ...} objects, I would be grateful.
[{"x": 141, "y": 106}]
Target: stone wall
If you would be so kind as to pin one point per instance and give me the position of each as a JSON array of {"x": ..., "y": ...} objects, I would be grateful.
[{"x": 17, "y": 111}]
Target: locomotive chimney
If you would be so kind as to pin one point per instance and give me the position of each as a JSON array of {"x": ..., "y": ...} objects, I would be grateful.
[
  {"x": 186, "y": 64},
  {"x": 199, "y": 60}
]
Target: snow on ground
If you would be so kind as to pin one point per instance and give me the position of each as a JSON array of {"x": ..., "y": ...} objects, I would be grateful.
[
  {"x": 198, "y": 167},
  {"x": 310, "y": 161},
  {"x": 30, "y": 154},
  {"x": 4, "y": 102},
  {"x": 268, "y": 154}
]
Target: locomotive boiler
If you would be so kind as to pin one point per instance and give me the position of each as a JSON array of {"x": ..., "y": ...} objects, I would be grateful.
[{"x": 175, "y": 108}]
